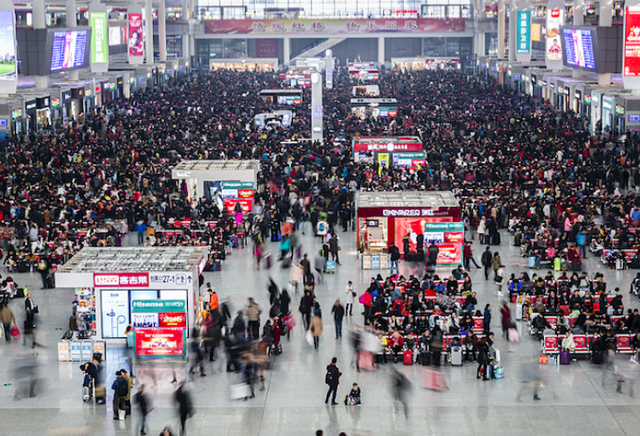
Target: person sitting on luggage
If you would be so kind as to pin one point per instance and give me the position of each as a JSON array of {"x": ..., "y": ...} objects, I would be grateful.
[
  {"x": 470, "y": 345},
  {"x": 353, "y": 399},
  {"x": 456, "y": 342},
  {"x": 568, "y": 344}
]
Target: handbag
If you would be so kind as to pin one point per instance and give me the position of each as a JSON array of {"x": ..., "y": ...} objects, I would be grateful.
[
  {"x": 309, "y": 337},
  {"x": 15, "y": 332},
  {"x": 36, "y": 310}
]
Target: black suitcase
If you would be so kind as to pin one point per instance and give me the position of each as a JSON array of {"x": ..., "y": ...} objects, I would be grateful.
[
  {"x": 431, "y": 268},
  {"x": 20, "y": 293},
  {"x": 496, "y": 239},
  {"x": 598, "y": 357},
  {"x": 286, "y": 262},
  {"x": 576, "y": 266},
  {"x": 425, "y": 358},
  {"x": 51, "y": 282},
  {"x": 635, "y": 263}
]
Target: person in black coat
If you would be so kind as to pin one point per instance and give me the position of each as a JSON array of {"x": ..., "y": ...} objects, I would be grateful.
[
  {"x": 433, "y": 254},
  {"x": 185, "y": 407},
  {"x": 483, "y": 356}
]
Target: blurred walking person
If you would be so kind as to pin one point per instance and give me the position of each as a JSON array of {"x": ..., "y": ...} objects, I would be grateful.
[
  {"x": 143, "y": 401},
  {"x": 400, "y": 386},
  {"x": 185, "y": 407}
]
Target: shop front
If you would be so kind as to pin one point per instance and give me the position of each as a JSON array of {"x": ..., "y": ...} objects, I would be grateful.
[
  {"x": 31, "y": 121},
  {"x": 262, "y": 65},
  {"x": 74, "y": 104},
  {"x": 608, "y": 113},
  {"x": 386, "y": 217},
  {"x": 631, "y": 114},
  {"x": 227, "y": 183},
  {"x": 89, "y": 102},
  {"x": 152, "y": 289},
  {"x": 17, "y": 121},
  {"x": 43, "y": 112},
  {"x": 366, "y": 147}
]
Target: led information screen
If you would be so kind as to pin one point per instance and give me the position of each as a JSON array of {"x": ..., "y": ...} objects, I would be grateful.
[
  {"x": 7, "y": 46},
  {"x": 99, "y": 42},
  {"x": 632, "y": 41},
  {"x": 578, "y": 48},
  {"x": 69, "y": 49}
]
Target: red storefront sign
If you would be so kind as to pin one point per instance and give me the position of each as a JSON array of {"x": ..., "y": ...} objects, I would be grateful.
[
  {"x": 380, "y": 146},
  {"x": 230, "y": 204},
  {"x": 245, "y": 193},
  {"x": 121, "y": 280},
  {"x": 159, "y": 342}
]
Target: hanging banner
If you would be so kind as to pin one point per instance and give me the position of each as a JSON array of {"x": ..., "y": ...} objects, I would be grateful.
[
  {"x": 523, "y": 30},
  {"x": 99, "y": 38},
  {"x": 8, "y": 66},
  {"x": 555, "y": 19},
  {"x": 632, "y": 41},
  {"x": 329, "y": 26},
  {"x": 136, "y": 35}
]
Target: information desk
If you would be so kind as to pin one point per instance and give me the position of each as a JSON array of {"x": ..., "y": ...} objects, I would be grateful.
[
  {"x": 120, "y": 277},
  {"x": 386, "y": 217}
]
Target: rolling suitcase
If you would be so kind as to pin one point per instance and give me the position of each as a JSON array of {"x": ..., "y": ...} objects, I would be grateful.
[
  {"x": 557, "y": 264},
  {"x": 286, "y": 262},
  {"x": 456, "y": 356},
  {"x": 268, "y": 261},
  {"x": 496, "y": 239},
  {"x": 565, "y": 357},
  {"x": 425, "y": 358},
  {"x": 407, "y": 357},
  {"x": 620, "y": 264},
  {"x": 532, "y": 261},
  {"x": 433, "y": 379},
  {"x": 498, "y": 373}
]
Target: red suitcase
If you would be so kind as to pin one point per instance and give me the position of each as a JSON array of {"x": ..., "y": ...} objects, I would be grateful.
[
  {"x": 407, "y": 357},
  {"x": 434, "y": 380}
]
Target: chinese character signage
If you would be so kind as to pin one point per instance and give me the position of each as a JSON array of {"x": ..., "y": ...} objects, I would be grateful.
[
  {"x": 136, "y": 35},
  {"x": 99, "y": 48},
  {"x": 632, "y": 41},
  {"x": 309, "y": 26},
  {"x": 159, "y": 342},
  {"x": 121, "y": 280},
  {"x": 523, "y": 32}
]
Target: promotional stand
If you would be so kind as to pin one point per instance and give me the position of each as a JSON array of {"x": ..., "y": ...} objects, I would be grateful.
[
  {"x": 227, "y": 182},
  {"x": 116, "y": 279},
  {"x": 159, "y": 329},
  {"x": 385, "y": 217}
]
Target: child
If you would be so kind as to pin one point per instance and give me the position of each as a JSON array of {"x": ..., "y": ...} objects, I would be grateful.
[{"x": 353, "y": 399}]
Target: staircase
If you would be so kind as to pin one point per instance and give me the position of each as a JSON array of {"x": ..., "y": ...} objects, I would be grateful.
[{"x": 320, "y": 48}]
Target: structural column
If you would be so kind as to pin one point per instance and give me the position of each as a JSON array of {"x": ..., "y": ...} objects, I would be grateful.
[
  {"x": 502, "y": 15},
  {"x": 42, "y": 82},
  {"x": 72, "y": 22},
  {"x": 606, "y": 9},
  {"x": 578, "y": 13},
  {"x": 148, "y": 32},
  {"x": 380, "y": 51},
  {"x": 162, "y": 31},
  {"x": 513, "y": 37},
  {"x": 286, "y": 50}
]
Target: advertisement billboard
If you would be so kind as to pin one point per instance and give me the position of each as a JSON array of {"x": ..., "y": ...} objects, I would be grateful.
[
  {"x": 555, "y": 19},
  {"x": 7, "y": 47},
  {"x": 335, "y": 26},
  {"x": 523, "y": 31},
  {"x": 100, "y": 40},
  {"x": 159, "y": 342},
  {"x": 631, "y": 56},
  {"x": 136, "y": 36},
  {"x": 68, "y": 50}
]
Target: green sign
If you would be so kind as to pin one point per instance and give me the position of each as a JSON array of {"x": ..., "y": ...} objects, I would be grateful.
[
  {"x": 523, "y": 30},
  {"x": 99, "y": 41},
  {"x": 411, "y": 155},
  {"x": 444, "y": 227},
  {"x": 157, "y": 306},
  {"x": 237, "y": 185}
]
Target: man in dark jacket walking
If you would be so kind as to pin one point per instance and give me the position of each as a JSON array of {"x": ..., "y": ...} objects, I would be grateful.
[
  {"x": 485, "y": 260},
  {"x": 338, "y": 313},
  {"x": 433, "y": 252},
  {"x": 333, "y": 248},
  {"x": 332, "y": 378},
  {"x": 394, "y": 252},
  {"x": 143, "y": 402},
  {"x": 185, "y": 407}
]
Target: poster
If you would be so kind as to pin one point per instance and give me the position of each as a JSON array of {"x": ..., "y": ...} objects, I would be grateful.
[
  {"x": 7, "y": 46},
  {"x": 412, "y": 227},
  {"x": 136, "y": 47},
  {"x": 159, "y": 342},
  {"x": 115, "y": 313},
  {"x": 450, "y": 254},
  {"x": 536, "y": 32},
  {"x": 632, "y": 41},
  {"x": 172, "y": 320},
  {"x": 523, "y": 31},
  {"x": 555, "y": 19},
  {"x": 99, "y": 40},
  {"x": 333, "y": 26}
]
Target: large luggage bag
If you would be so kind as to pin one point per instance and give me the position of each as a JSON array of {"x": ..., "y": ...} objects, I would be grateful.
[
  {"x": 565, "y": 357},
  {"x": 433, "y": 379},
  {"x": 496, "y": 239},
  {"x": 456, "y": 356},
  {"x": 424, "y": 358},
  {"x": 407, "y": 357}
]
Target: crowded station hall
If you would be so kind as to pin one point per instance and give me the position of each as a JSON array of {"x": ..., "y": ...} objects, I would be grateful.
[{"x": 319, "y": 218}]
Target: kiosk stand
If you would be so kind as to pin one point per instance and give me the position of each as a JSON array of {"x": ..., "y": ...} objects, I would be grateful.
[
  {"x": 385, "y": 217},
  {"x": 124, "y": 283}
]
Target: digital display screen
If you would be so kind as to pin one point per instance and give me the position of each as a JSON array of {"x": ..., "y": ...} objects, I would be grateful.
[
  {"x": 578, "y": 48},
  {"x": 69, "y": 49},
  {"x": 634, "y": 118},
  {"x": 7, "y": 47}
]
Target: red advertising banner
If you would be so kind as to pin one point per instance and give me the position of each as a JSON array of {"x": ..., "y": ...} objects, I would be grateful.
[
  {"x": 449, "y": 254},
  {"x": 632, "y": 41},
  {"x": 159, "y": 342},
  {"x": 454, "y": 237},
  {"x": 172, "y": 320},
  {"x": 267, "y": 48},
  {"x": 245, "y": 193},
  {"x": 136, "y": 47},
  {"x": 247, "y": 205},
  {"x": 121, "y": 280},
  {"x": 308, "y": 26}
]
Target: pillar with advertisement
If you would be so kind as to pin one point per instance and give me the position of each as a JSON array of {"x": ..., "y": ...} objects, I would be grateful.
[{"x": 136, "y": 35}]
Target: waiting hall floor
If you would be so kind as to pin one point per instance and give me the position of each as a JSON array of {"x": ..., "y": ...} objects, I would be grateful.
[{"x": 579, "y": 399}]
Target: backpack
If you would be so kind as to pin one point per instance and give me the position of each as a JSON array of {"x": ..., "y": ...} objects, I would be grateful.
[
  {"x": 123, "y": 388},
  {"x": 329, "y": 378}
]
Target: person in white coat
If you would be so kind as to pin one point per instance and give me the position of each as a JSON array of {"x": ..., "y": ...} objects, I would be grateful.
[
  {"x": 482, "y": 229},
  {"x": 351, "y": 293}
]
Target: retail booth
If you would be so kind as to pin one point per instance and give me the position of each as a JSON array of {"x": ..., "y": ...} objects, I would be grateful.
[
  {"x": 152, "y": 289},
  {"x": 386, "y": 217},
  {"x": 387, "y": 149},
  {"x": 227, "y": 182}
]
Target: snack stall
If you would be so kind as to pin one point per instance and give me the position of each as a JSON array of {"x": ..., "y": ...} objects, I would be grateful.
[
  {"x": 385, "y": 217},
  {"x": 227, "y": 182},
  {"x": 115, "y": 285},
  {"x": 386, "y": 149}
]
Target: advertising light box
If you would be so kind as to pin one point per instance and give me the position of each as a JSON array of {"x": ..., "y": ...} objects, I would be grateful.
[
  {"x": 99, "y": 42},
  {"x": 632, "y": 41},
  {"x": 7, "y": 47},
  {"x": 555, "y": 19},
  {"x": 159, "y": 342}
]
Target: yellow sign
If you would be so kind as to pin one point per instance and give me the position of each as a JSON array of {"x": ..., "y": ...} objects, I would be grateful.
[
  {"x": 383, "y": 161},
  {"x": 535, "y": 32}
]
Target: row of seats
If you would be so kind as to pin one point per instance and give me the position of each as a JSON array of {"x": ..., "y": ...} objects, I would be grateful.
[{"x": 551, "y": 343}]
